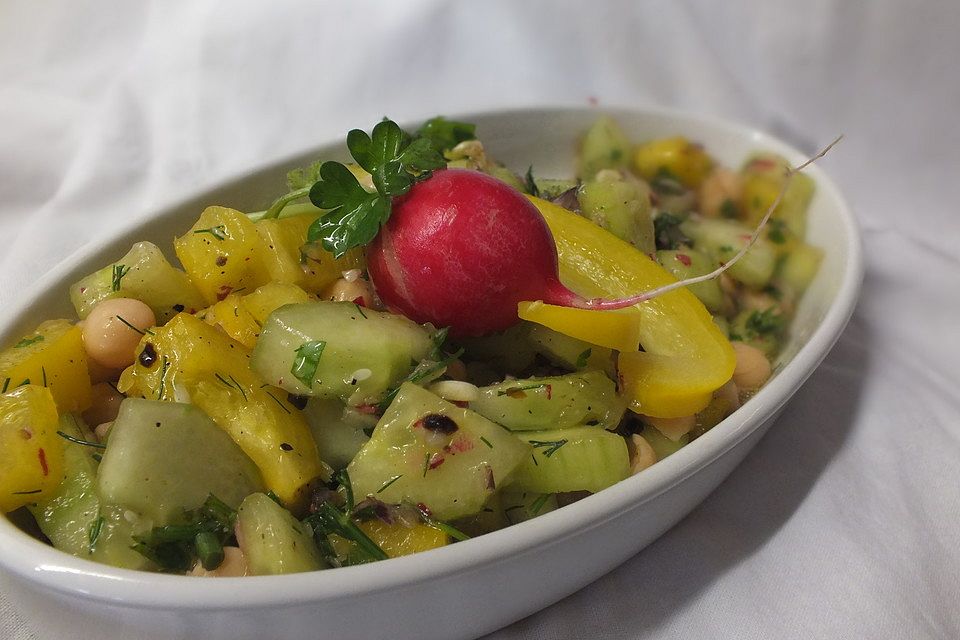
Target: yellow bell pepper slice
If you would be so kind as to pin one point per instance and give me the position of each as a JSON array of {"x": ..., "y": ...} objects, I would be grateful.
[
  {"x": 31, "y": 452},
  {"x": 686, "y": 357},
  {"x": 612, "y": 329},
  {"x": 52, "y": 356}
]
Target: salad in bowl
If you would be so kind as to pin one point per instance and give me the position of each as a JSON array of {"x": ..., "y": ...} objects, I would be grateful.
[{"x": 404, "y": 351}]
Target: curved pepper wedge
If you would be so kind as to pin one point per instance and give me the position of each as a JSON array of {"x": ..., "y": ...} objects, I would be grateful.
[{"x": 685, "y": 356}]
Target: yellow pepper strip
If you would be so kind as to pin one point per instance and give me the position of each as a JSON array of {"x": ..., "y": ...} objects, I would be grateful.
[
  {"x": 686, "y": 357},
  {"x": 52, "y": 356},
  {"x": 612, "y": 329},
  {"x": 31, "y": 452}
]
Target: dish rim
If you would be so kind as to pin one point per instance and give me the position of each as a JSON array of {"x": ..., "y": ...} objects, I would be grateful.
[{"x": 56, "y": 571}]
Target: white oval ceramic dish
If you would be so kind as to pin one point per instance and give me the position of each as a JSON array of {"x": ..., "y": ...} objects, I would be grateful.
[{"x": 470, "y": 588}]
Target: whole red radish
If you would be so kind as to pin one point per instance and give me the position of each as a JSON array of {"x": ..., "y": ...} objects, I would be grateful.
[{"x": 460, "y": 250}]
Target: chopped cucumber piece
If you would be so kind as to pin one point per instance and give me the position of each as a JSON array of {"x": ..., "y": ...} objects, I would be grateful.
[
  {"x": 558, "y": 401},
  {"x": 798, "y": 267},
  {"x": 143, "y": 274},
  {"x": 689, "y": 263},
  {"x": 520, "y": 506},
  {"x": 339, "y": 431},
  {"x": 722, "y": 239},
  {"x": 762, "y": 329},
  {"x": 568, "y": 352},
  {"x": 578, "y": 459},
  {"x": 621, "y": 205},
  {"x": 551, "y": 188},
  {"x": 338, "y": 350},
  {"x": 604, "y": 146},
  {"x": 661, "y": 444},
  {"x": 509, "y": 351},
  {"x": 146, "y": 469},
  {"x": 427, "y": 450},
  {"x": 273, "y": 541},
  {"x": 763, "y": 175}
]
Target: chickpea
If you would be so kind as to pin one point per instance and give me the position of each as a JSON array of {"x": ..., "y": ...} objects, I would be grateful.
[
  {"x": 719, "y": 194},
  {"x": 350, "y": 291},
  {"x": 642, "y": 454},
  {"x": 753, "y": 368},
  {"x": 234, "y": 565},
  {"x": 105, "y": 404},
  {"x": 113, "y": 329}
]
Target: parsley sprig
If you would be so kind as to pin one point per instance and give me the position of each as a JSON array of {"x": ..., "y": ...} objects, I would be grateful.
[{"x": 395, "y": 160}]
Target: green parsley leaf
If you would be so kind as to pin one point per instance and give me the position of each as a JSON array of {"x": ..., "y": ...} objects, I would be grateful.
[
  {"x": 531, "y": 184},
  {"x": 666, "y": 230},
  {"x": 119, "y": 271},
  {"x": 583, "y": 358},
  {"x": 308, "y": 359},
  {"x": 768, "y": 322}
]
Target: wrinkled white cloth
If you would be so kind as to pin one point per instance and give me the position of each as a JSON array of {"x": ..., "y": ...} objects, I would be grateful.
[{"x": 843, "y": 522}]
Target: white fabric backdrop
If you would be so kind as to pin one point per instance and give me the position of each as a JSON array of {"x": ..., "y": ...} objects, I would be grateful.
[{"x": 844, "y": 521}]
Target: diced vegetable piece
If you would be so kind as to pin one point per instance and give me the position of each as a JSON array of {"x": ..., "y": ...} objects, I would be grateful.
[
  {"x": 557, "y": 402},
  {"x": 572, "y": 353},
  {"x": 759, "y": 328},
  {"x": 675, "y": 157},
  {"x": 619, "y": 330},
  {"x": 763, "y": 177},
  {"x": 722, "y": 239},
  {"x": 621, "y": 205},
  {"x": 338, "y": 430},
  {"x": 685, "y": 358},
  {"x": 689, "y": 263},
  {"x": 68, "y": 516},
  {"x": 187, "y": 358},
  {"x": 143, "y": 274},
  {"x": 273, "y": 541},
  {"x": 31, "y": 452},
  {"x": 290, "y": 260},
  {"x": 550, "y": 188},
  {"x": 52, "y": 356},
  {"x": 509, "y": 351},
  {"x": 164, "y": 458},
  {"x": 661, "y": 444},
  {"x": 578, "y": 459},
  {"x": 395, "y": 539},
  {"x": 223, "y": 253},
  {"x": 242, "y": 316},
  {"x": 605, "y": 146},
  {"x": 520, "y": 506},
  {"x": 338, "y": 350},
  {"x": 798, "y": 267},
  {"x": 427, "y": 450}
]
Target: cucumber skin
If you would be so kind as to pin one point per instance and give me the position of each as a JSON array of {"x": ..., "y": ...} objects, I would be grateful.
[
  {"x": 164, "y": 458},
  {"x": 557, "y": 402},
  {"x": 356, "y": 339},
  {"x": 591, "y": 459},
  {"x": 338, "y": 430},
  {"x": 708, "y": 292},
  {"x": 273, "y": 541},
  {"x": 661, "y": 444},
  {"x": 395, "y": 465}
]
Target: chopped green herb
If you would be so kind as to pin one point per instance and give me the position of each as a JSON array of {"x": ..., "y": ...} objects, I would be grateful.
[
  {"x": 448, "y": 529},
  {"x": 277, "y": 400},
  {"x": 438, "y": 338},
  {"x": 583, "y": 358},
  {"x": 360, "y": 310},
  {"x": 538, "y": 503},
  {"x": 119, "y": 272},
  {"x": 273, "y": 496},
  {"x": 388, "y": 483},
  {"x": 531, "y": 184},
  {"x": 445, "y": 134},
  {"x": 209, "y": 549},
  {"x": 666, "y": 230},
  {"x": 143, "y": 333},
  {"x": 43, "y": 372},
  {"x": 777, "y": 234},
  {"x": 308, "y": 359},
  {"x": 549, "y": 447},
  {"x": 232, "y": 383},
  {"x": 93, "y": 533},
  {"x": 486, "y": 442},
  {"x": 219, "y": 232},
  {"x": 426, "y": 370},
  {"x": 726, "y": 249},
  {"x": 728, "y": 209},
  {"x": 162, "y": 390},
  {"x": 27, "y": 493},
  {"x": 426, "y": 463},
  {"x": 6, "y": 385},
  {"x": 26, "y": 342},
  {"x": 25, "y": 382},
  {"x": 768, "y": 322},
  {"x": 176, "y": 547},
  {"x": 530, "y": 387},
  {"x": 666, "y": 182}
]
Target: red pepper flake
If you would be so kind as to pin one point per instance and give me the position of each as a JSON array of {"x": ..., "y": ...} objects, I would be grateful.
[
  {"x": 83, "y": 289},
  {"x": 549, "y": 391},
  {"x": 745, "y": 236},
  {"x": 491, "y": 483},
  {"x": 683, "y": 259},
  {"x": 463, "y": 404},
  {"x": 359, "y": 301},
  {"x": 41, "y": 454},
  {"x": 761, "y": 164},
  {"x": 459, "y": 445},
  {"x": 26, "y": 433},
  {"x": 368, "y": 409},
  {"x": 223, "y": 292},
  {"x": 436, "y": 460}
]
